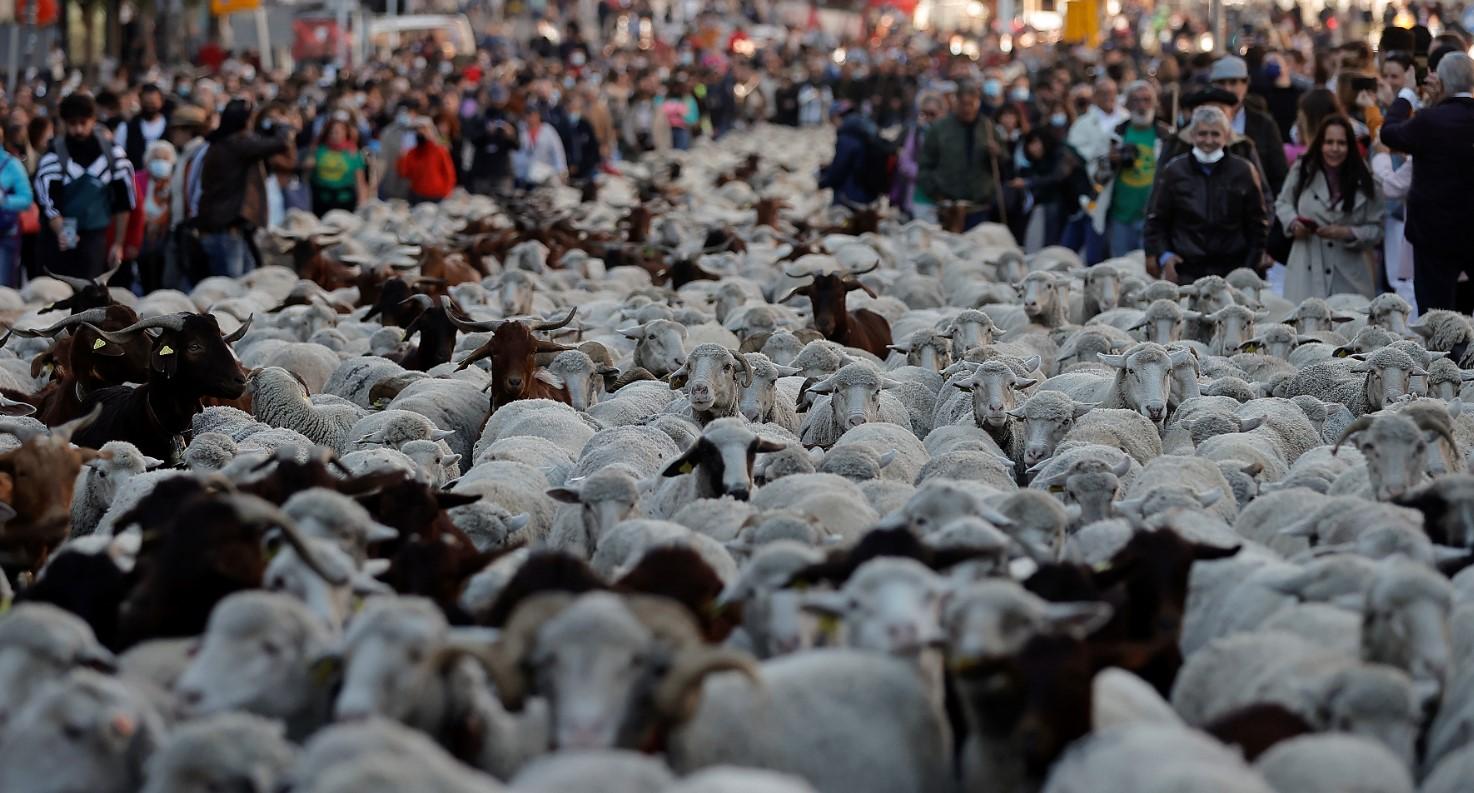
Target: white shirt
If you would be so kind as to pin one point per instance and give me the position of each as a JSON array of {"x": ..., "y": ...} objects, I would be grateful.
[{"x": 152, "y": 131}]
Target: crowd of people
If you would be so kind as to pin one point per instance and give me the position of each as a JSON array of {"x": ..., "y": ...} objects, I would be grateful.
[{"x": 1297, "y": 151}]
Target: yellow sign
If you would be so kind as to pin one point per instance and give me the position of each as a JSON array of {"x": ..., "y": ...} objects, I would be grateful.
[
  {"x": 1082, "y": 22},
  {"x": 222, "y": 7}
]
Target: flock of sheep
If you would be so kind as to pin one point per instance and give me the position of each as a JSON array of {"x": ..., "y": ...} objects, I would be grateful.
[{"x": 840, "y": 504}]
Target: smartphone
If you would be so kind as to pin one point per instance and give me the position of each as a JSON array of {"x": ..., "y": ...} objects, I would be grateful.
[
  {"x": 1309, "y": 224},
  {"x": 1360, "y": 84}
]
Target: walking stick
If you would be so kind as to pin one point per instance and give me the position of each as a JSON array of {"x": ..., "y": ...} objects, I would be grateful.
[{"x": 998, "y": 180}]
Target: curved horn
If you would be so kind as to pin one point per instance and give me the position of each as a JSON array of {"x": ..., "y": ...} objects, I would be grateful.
[
  {"x": 240, "y": 332},
  {"x": 77, "y": 284},
  {"x": 470, "y": 326},
  {"x": 745, "y": 379},
  {"x": 1361, "y": 423},
  {"x": 672, "y": 698},
  {"x": 254, "y": 509},
  {"x": 174, "y": 322},
  {"x": 555, "y": 324},
  {"x": 1431, "y": 423},
  {"x": 873, "y": 267}
]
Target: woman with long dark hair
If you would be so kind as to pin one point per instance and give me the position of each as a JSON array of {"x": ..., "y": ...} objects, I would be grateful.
[
  {"x": 1316, "y": 105},
  {"x": 1330, "y": 207}
]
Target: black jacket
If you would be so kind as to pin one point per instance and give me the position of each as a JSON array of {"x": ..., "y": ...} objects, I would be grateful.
[
  {"x": 1265, "y": 133},
  {"x": 582, "y": 149},
  {"x": 1440, "y": 217},
  {"x": 494, "y": 145},
  {"x": 1212, "y": 216},
  {"x": 233, "y": 181}
]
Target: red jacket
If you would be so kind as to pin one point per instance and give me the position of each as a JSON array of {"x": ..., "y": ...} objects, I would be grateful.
[{"x": 429, "y": 169}]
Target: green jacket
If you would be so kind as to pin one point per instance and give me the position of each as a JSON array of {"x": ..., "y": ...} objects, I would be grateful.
[{"x": 943, "y": 172}]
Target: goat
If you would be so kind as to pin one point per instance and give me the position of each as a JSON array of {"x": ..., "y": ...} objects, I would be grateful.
[
  {"x": 90, "y": 362},
  {"x": 36, "y": 482},
  {"x": 862, "y": 328},
  {"x": 512, "y": 349}
]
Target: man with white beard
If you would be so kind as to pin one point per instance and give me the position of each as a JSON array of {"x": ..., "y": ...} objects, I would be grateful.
[{"x": 1136, "y": 148}]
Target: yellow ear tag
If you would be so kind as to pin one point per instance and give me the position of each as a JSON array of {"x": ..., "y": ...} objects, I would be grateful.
[
  {"x": 1056, "y": 488},
  {"x": 166, "y": 350},
  {"x": 687, "y": 467},
  {"x": 829, "y": 626},
  {"x": 99, "y": 344}
]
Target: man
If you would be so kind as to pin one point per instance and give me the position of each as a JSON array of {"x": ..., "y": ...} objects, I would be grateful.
[
  {"x": 1208, "y": 215},
  {"x": 495, "y": 137},
  {"x": 1232, "y": 74},
  {"x": 1093, "y": 134},
  {"x": 1120, "y": 212},
  {"x": 233, "y": 188},
  {"x": 394, "y": 140},
  {"x": 143, "y": 129},
  {"x": 1182, "y": 143},
  {"x": 846, "y": 173},
  {"x": 1440, "y": 223},
  {"x": 84, "y": 184},
  {"x": 959, "y": 156}
]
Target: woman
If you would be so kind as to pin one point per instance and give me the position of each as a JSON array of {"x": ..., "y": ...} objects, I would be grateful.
[
  {"x": 541, "y": 156},
  {"x": 148, "y": 224},
  {"x": 15, "y": 198},
  {"x": 339, "y": 176},
  {"x": 904, "y": 193},
  {"x": 1055, "y": 177},
  {"x": 427, "y": 166},
  {"x": 1330, "y": 207},
  {"x": 1316, "y": 106}
]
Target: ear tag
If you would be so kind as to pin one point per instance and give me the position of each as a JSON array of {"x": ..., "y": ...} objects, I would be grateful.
[
  {"x": 829, "y": 626},
  {"x": 1056, "y": 488},
  {"x": 166, "y": 350},
  {"x": 99, "y": 344},
  {"x": 687, "y": 467}
]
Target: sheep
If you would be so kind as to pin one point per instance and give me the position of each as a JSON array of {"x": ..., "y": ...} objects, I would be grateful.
[
  {"x": 640, "y": 451},
  {"x": 1362, "y": 387},
  {"x": 538, "y": 418},
  {"x": 1141, "y": 382},
  {"x": 1162, "y": 322},
  {"x": 324, "y": 514},
  {"x": 907, "y": 455},
  {"x": 1395, "y": 450},
  {"x": 659, "y": 346},
  {"x": 620, "y": 549},
  {"x": 1152, "y": 758},
  {"x": 712, "y": 379},
  {"x": 288, "y": 573},
  {"x": 926, "y": 348},
  {"x": 355, "y": 378},
  {"x": 100, "y": 480},
  {"x": 764, "y": 401},
  {"x": 280, "y": 399},
  {"x": 513, "y": 505},
  {"x": 394, "y": 428},
  {"x": 850, "y": 397},
  {"x": 1189, "y": 482},
  {"x": 594, "y": 505},
  {"x": 599, "y": 771},
  {"x": 388, "y": 757},
  {"x": 220, "y": 751},
  {"x": 453, "y": 405},
  {"x": 82, "y": 731},
  {"x": 1092, "y": 484},
  {"x": 1447, "y": 331},
  {"x": 1314, "y": 314},
  {"x": 41, "y": 643},
  {"x": 969, "y": 328},
  {"x": 209, "y": 451},
  {"x": 718, "y": 464}
]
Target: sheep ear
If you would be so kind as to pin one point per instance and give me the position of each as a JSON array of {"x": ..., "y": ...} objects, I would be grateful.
[
  {"x": 517, "y": 522},
  {"x": 1339, "y": 317},
  {"x": 1079, "y": 619},
  {"x": 1208, "y": 497},
  {"x": 887, "y": 458},
  {"x": 1361, "y": 366},
  {"x": 1251, "y": 424},
  {"x": 1300, "y": 528},
  {"x": 829, "y": 604},
  {"x": 765, "y": 446},
  {"x": 1081, "y": 408},
  {"x": 1420, "y": 327},
  {"x": 636, "y": 332},
  {"x": 1023, "y": 383},
  {"x": 887, "y": 383},
  {"x": 1130, "y": 505},
  {"x": 378, "y": 532},
  {"x": 1192, "y": 315},
  {"x": 1251, "y": 469},
  {"x": 902, "y": 348},
  {"x": 1180, "y": 357},
  {"x": 1017, "y": 413},
  {"x": 1117, "y": 361},
  {"x": 440, "y": 435},
  {"x": 1032, "y": 362},
  {"x": 824, "y": 386},
  {"x": 786, "y": 371},
  {"x": 1252, "y": 344},
  {"x": 152, "y": 462},
  {"x": 566, "y": 495},
  {"x": 1342, "y": 352}
]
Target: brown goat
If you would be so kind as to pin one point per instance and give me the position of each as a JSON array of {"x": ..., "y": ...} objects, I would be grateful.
[
  {"x": 862, "y": 328},
  {"x": 36, "y": 491},
  {"x": 512, "y": 350},
  {"x": 84, "y": 362}
]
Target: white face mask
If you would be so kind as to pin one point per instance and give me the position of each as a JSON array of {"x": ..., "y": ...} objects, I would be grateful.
[
  {"x": 160, "y": 169},
  {"x": 1206, "y": 158}
]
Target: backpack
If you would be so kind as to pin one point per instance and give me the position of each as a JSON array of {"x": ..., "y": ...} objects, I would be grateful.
[
  {"x": 878, "y": 165},
  {"x": 86, "y": 198}
]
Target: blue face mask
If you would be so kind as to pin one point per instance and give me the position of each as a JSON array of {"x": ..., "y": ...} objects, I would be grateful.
[
  {"x": 1272, "y": 70},
  {"x": 1059, "y": 119},
  {"x": 992, "y": 89},
  {"x": 1019, "y": 94}
]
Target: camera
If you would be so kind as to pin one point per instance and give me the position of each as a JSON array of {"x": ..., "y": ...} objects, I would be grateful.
[{"x": 1126, "y": 156}]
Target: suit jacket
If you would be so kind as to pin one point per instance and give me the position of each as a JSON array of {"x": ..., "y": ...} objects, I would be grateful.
[{"x": 1440, "y": 217}]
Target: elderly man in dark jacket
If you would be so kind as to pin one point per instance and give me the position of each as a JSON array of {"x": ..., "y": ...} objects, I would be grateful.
[
  {"x": 1207, "y": 216},
  {"x": 233, "y": 188},
  {"x": 958, "y": 156},
  {"x": 1440, "y": 223}
]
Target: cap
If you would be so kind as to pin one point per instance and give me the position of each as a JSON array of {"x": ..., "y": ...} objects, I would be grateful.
[
  {"x": 1229, "y": 67},
  {"x": 1209, "y": 96}
]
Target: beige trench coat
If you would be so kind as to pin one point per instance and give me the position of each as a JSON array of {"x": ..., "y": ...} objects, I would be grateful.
[{"x": 1320, "y": 267}]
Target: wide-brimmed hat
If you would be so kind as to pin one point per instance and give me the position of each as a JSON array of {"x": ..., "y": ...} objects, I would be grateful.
[{"x": 189, "y": 116}]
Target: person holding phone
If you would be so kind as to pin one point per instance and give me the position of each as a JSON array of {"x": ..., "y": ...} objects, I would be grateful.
[{"x": 1330, "y": 208}]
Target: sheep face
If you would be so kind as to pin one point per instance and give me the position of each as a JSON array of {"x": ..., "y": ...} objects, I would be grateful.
[
  {"x": 721, "y": 460},
  {"x": 995, "y": 390},
  {"x": 387, "y": 664},
  {"x": 713, "y": 378},
  {"x": 288, "y": 574},
  {"x": 1047, "y": 417},
  {"x": 1232, "y": 326},
  {"x": 854, "y": 395},
  {"x": 1387, "y": 384},
  {"x": 993, "y": 620},
  {"x": 1313, "y": 314},
  {"x": 595, "y": 661},
  {"x": 782, "y": 348},
  {"x": 887, "y": 605},
  {"x": 256, "y": 656},
  {"x": 939, "y": 502},
  {"x": 39, "y": 642},
  {"x": 81, "y": 732},
  {"x": 1011, "y": 267},
  {"x": 1039, "y": 294},
  {"x": 1276, "y": 340},
  {"x": 758, "y": 399},
  {"x": 927, "y": 349},
  {"x": 1143, "y": 378},
  {"x": 514, "y": 291},
  {"x": 970, "y": 331},
  {"x": 1405, "y": 624},
  {"x": 1103, "y": 288},
  {"x": 660, "y": 346},
  {"x": 605, "y": 498},
  {"x": 1396, "y": 453},
  {"x": 582, "y": 378}
]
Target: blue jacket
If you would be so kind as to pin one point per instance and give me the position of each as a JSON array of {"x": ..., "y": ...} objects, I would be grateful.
[
  {"x": 843, "y": 173},
  {"x": 15, "y": 185}
]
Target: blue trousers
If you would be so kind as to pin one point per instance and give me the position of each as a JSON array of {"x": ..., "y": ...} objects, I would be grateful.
[{"x": 226, "y": 252}]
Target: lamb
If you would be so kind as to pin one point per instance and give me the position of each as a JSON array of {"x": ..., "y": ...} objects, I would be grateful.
[
  {"x": 280, "y": 399},
  {"x": 850, "y": 397},
  {"x": 100, "y": 480}
]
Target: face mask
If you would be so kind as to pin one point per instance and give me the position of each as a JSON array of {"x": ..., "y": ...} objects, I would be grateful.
[
  {"x": 574, "y": 117},
  {"x": 150, "y": 113},
  {"x": 160, "y": 169},
  {"x": 1019, "y": 94},
  {"x": 1206, "y": 158},
  {"x": 1143, "y": 118},
  {"x": 1059, "y": 119},
  {"x": 183, "y": 90},
  {"x": 1272, "y": 70},
  {"x": 992, "y": 89}
]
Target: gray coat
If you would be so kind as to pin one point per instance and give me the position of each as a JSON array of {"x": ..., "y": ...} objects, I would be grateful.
[{"x": 1320, "y": 267}]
